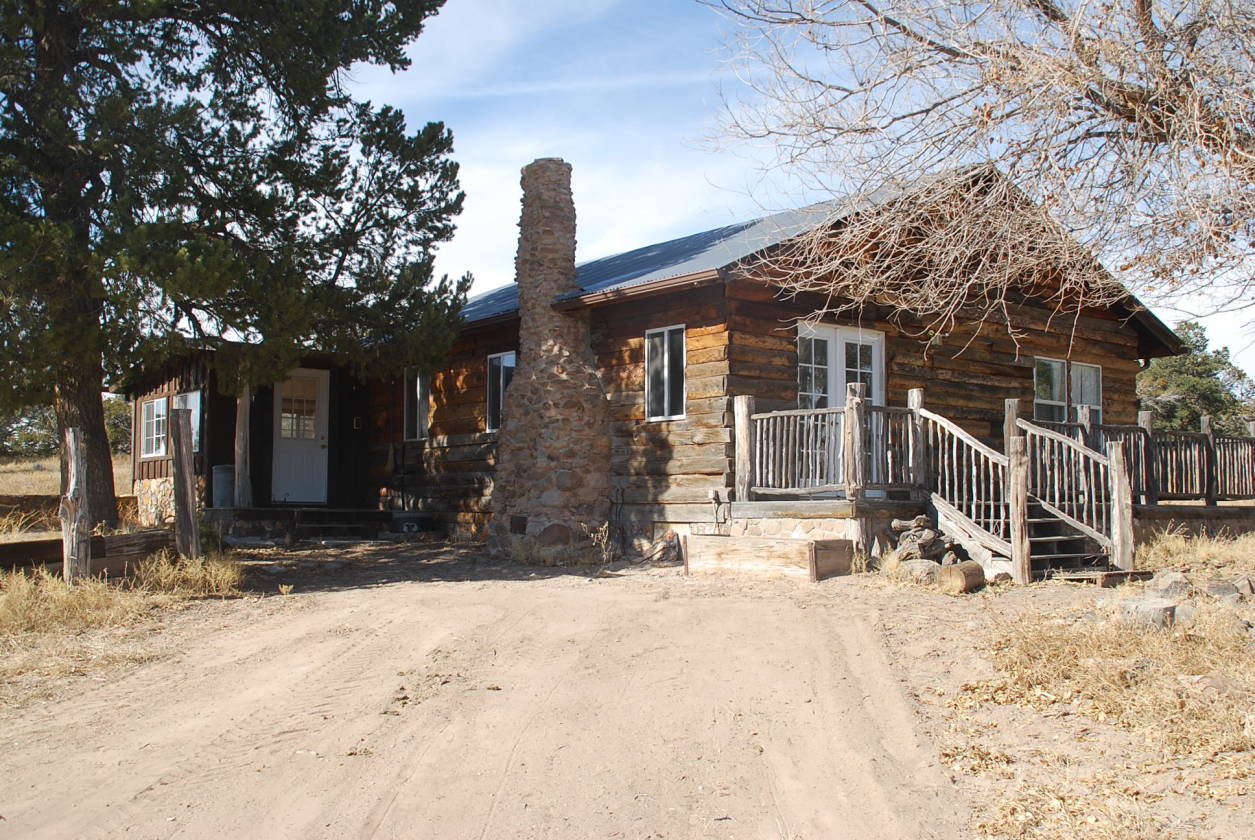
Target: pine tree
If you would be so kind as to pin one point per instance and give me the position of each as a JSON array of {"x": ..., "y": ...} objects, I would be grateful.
[
  {"x": 1181, "y": 389},
  {"x": 171, "y": 173}
]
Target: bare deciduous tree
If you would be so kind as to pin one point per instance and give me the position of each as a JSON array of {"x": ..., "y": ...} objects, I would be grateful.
[{"x": 1124, "y": 126}]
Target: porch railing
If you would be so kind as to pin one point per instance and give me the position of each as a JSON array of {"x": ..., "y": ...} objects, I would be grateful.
[
  {"x": 798, "y": 451},
  {"x": 1173, "y": 465}
]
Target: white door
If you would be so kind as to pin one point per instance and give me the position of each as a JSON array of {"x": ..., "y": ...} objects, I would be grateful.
[
  {"x": 828, "y": 358},
  {"x": 300, "y": 458}
]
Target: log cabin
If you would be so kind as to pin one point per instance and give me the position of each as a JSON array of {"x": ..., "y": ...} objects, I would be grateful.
[{"x": 607, "y": 393}]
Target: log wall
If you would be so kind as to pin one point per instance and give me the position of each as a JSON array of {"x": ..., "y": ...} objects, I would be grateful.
[
  {"x": 449, "y": 473},
  {"x": 966, "y": 376},
  {"x": 664, "y": 470}
]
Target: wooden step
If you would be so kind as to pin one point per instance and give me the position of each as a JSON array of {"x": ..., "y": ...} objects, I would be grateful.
[{"x": 800, "y": 559}]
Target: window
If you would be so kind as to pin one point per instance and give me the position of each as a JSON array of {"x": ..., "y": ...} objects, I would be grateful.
[
  {"x": 812, "y": 372},
  {"x": 417, "y": 404},
  {"x": 298, "y": 410},
  {"x": 1052, "y": 402},
  {"x": 664, "y": 373},
  {"x": 153, "y": 428},
  {"x": 500, "y": 372},
  {"x": 1050, "y": 399},
  {"x": 191, "y": 401},
  {"x": 1087, "y": 389}
]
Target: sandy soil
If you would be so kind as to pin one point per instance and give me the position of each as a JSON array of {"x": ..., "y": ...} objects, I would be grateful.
[
  {"x": 428, "y": 693},
  {"x": 445, "y": 697}
]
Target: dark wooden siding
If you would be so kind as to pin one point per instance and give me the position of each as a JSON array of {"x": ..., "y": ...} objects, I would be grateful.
[{"x": 190, "y": 374}]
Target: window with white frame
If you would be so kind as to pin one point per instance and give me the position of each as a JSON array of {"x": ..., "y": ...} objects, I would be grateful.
[
  {"x": 1059, "y": 387},
  {"x": 417, "y": 404},
  {"x": 500, "y": 372},
  {"x": 153, "y": 428},
  {"x": 191, "y": 401},
  {"x": 1087, "y": 389},
  {"x": 812, "y": 372},
  {"x": 1050, "y": 395},
  {"x": 664, "y": 373}
]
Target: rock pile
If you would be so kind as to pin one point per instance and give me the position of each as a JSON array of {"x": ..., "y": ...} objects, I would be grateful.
[{"x": 919, "y": 540}]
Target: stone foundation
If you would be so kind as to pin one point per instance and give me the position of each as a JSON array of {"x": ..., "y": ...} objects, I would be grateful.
[
  {"x": 154, "y": 501},
  {"x": 552, "y": 484}
]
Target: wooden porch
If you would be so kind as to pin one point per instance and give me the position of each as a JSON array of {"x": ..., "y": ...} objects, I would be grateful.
[{"x": 1050, "y": 496}]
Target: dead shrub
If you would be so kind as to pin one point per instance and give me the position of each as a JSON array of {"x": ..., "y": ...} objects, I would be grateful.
[
  {"x": 1188, "y": 690},
  {"x": 1179, "y": 550},
  {"x": 212, "y": 576},
  {"x": 41, "y": 602},
  {"x": 16, "y": 521}
]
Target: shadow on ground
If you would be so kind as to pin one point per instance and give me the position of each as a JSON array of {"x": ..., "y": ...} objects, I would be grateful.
[{"x": 313, "y": 567}]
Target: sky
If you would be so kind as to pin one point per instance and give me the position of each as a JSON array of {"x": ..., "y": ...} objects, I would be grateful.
[{"x": 631, "y": 93}]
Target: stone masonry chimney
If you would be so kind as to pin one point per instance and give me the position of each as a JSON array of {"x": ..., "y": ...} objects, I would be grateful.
[{"x": 553, "y": 456}]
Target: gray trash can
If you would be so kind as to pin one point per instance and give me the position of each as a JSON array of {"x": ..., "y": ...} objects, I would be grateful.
[{"x": 224, "y": 485}]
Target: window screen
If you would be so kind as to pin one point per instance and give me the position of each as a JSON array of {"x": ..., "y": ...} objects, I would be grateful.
[
  {"x": 417, "y": 404},
  {"x": 191, "y": 401},
  {"x": 153, "y": 433},
  {"x": 500, "y": 372}
]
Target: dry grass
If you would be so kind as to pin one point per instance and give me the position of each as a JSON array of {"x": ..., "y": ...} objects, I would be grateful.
[
  {"x": 1036, "y": 812},
  {"x": 1186, "y": 690},
  {"x": 1176, "y": 550},
  {"x": 42, "y": 476},
  {"x": 19, "y": 524},
  {"x": 42, "y": 602}
]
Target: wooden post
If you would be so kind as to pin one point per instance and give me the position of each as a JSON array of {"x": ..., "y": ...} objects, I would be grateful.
[
  {"x": 1085, "y": 416},
  {"x": 186, "y": 530},
  {"x": 76, "y": 543},
  {"x": 918, "y": 452},
  {"x": 1209, "y": 460},
  {"x": 243, "y": 476},
  {"x": 1146, "y": 419},
  {"x": 1017, "y": 509},
  {"x": 1010, "y": 428},
  {"x": 1121, "y": 509},
  {"x": 854, "y": 441},
  {"x": 743, "y": 431}
]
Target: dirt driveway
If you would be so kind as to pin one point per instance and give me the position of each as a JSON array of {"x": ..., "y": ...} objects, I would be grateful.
[{"x": 435, "y": 695}]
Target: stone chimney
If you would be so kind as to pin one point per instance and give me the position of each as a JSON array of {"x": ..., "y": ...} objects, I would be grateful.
[{"x": 553, "y": 456}]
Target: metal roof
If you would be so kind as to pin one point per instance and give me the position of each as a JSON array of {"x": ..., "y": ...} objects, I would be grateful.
[{"x": 712, "y": 249}]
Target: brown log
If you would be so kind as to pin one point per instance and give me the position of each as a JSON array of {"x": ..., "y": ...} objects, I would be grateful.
[
  {"x": 243, "y": 471},
  {"x": 961, "y": 577}
]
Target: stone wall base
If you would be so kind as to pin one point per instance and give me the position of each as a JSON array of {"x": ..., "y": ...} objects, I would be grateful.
[{"x": 154, "y": 501}]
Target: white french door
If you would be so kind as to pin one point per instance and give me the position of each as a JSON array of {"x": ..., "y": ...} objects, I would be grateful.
[{"x": 828, "y": 358}]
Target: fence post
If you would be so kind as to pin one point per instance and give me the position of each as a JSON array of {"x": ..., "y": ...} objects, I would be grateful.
[
  {"x": 1017, "y": 509},
  {"x": 76, "y": 541},
  {"x": 742, "y": 412},
  {"x": 1010, "y": 429},
  {"x": 186, "y": 532},
  {"x": 1121, "y": 509},
  {"x": 1209, "y": 460},
  {"x": 918, "y": 452},
  {"x": 243, "y": 497},
  {"x": 853, "y": 443},
  {"x": 1085, "y": 416},
  {"x": 1146, "y": 419}
]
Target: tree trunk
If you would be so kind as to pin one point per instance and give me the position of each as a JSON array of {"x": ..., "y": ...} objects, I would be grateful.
[{"x": 79, "y": 405}]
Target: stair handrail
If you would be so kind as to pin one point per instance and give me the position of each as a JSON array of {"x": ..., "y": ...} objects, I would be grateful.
[
  {"x": 1071, "y": 481},
  {"x": 968, "y": 475}
]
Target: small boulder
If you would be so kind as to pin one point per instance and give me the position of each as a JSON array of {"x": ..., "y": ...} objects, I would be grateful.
[
  {"x": 1245, "y": 586},
  {"x": 1185, "y": 613},
  {"x": 923, "y": 572},
  {"x": 1221, "y": 590},
  {"x": 1152, "y": 612},
  {"x": 1169, "y": 584}
]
